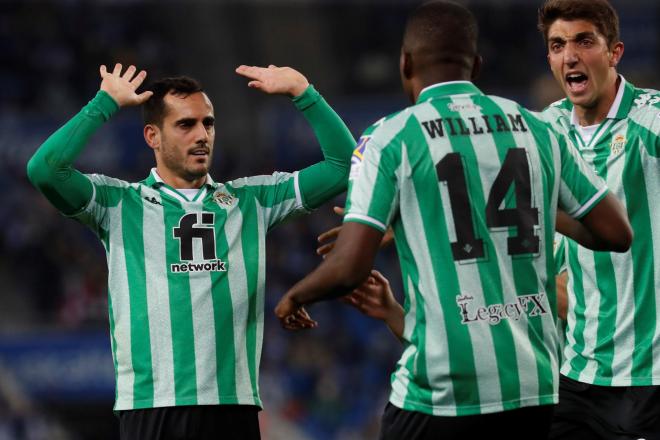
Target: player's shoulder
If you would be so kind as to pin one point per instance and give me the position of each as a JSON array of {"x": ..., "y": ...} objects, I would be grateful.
[
  {"x": 557, "y": 115},
  {"x": 113, "y": 182},
  {"x": 509, "y": 106},
  {"x": 644, "y": 112},
  {"x": 646, "y": 98},
  {"x": 645, "y": 108},
  {"x": 563, "y": 105},
  {"x": 558, "y": 111},
  {"x": 535, "y": 120},
  {"x": 383, "y": 131},
  {"x": 246, "y": 183},
  {"x": 389, "y": 122}
]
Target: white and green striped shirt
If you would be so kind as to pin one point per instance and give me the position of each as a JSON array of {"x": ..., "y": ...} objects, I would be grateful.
[
  {"x": 470, "y": 185},
  {"x": 613, "y": 331},
  {"x": 186, "y": 285}
]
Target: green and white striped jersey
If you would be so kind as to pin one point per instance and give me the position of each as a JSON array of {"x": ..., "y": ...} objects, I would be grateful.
[
  {"x": 613, "y": 332},
  {"x": 186, "y": 285},
  {"x": 470, "y": 185}
]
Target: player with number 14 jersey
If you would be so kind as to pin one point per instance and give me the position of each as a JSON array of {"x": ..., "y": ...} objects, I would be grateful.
[{"x": 470, "y": 185}]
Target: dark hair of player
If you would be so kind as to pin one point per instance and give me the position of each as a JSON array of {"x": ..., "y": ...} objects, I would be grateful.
[
  {"x": 440, "y": 33},
  {"x": 598, "y": 12},
  {"x": 154, "y": 109}
]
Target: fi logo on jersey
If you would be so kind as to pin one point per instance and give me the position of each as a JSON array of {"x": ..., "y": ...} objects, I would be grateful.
[
  {"x": 358, "y": 156},
  {"x": 197, "y": 228}
]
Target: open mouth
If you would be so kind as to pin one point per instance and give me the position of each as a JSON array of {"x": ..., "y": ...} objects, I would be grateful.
[
  {"x": 199, "y": 152},
  {"x": 577, "y": 82}
]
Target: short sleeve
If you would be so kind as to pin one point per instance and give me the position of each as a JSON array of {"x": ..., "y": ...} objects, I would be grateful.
[
  {"x": 107, "y": 192},
  {"x": 373, "y": 189},
  {"x": 580, "y": 189}
]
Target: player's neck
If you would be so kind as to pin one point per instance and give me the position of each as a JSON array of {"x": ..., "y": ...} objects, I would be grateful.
[
  {"x": 597, "y": 114},
  {"x": 178, "y": 182}
]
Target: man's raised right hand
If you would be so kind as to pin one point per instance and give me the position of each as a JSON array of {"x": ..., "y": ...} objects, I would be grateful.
[{"x": 122, "y": 87}]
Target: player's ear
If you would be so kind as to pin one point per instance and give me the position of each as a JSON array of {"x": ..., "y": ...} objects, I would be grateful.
[
  {"x": 406, "y": 65},
  {"x": 616, "y": 53},
  {"x": 151, "y": 134},
  {"x": 476, "y": 67}
]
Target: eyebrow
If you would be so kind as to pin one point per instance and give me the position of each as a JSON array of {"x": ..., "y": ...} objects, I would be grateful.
[
  {"x": 578, "y": 37},
  {"x": 206, "y": 120},
  {"x": 185, "y": 121}
]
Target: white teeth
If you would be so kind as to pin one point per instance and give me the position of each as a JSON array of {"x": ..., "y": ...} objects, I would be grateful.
[{"x": 576, "y": 77}]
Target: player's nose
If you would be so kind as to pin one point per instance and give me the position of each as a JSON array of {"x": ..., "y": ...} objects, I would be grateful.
[
  {"x": 570, "y": 55},
  {"x": 201, "y": 133}
]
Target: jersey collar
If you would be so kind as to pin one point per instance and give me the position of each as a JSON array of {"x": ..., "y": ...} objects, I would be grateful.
[
  {"x": 448, "y": 88},
  {"x": 155, "y": 181},
  {"x": 621, "y": 106}
]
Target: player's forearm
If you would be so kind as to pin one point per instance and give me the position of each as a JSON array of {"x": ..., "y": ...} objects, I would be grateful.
[
  {"x": 562, "y": 295},
  {"x": 574, "y": 229},
  {"x": 336, "y": 141},
  {"x": 344, "y": 269},
  {"x": 51, "y": 168},
  {"x": 332, "y": 279},
  {"x": 322, "y": 181},
  {"x": 604, "y": 228},
  {"x": 395, "y": 321}
]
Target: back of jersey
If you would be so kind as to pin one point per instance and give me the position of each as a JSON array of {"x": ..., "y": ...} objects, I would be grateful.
[{"x": 470, "y": 185}]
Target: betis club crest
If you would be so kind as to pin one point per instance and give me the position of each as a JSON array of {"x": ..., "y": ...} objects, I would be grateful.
[
  {"x": 617, "y": 145},
  {"x": 223, "y": 199}
]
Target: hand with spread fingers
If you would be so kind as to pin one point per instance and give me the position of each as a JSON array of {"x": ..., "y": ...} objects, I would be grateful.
[
  {"x": 122, "y": 88},
  {"x": 375, "y": 299},
  {"x": 332, "y": 234},
  {"x": 275, "y": 80}
]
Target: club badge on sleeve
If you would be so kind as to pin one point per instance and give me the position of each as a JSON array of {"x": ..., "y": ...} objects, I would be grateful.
[{"x": 358, "y": 156}]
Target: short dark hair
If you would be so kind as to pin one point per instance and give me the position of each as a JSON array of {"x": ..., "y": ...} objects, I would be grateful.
[
  {"x": 154, "y": 109},
  {"x": 444, "y": 31},
  {"x": 599, "y": 12}
]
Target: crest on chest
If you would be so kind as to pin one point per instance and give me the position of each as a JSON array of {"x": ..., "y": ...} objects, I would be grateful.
[
  {"x": 224, "y": 199},
  {"x": 618, "y": 144}
]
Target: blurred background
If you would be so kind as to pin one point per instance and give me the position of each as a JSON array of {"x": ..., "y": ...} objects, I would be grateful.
[{"x": 56, "y": 371}]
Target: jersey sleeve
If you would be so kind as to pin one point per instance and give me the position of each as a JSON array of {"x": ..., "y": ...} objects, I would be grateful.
[
  {"x": 652, "y": 141},
  {"x": 323, "y": 180},
  {"x": 284, "y": 195},
  {"x": 277, "y": 195},
  {"x": 580, "y": 189},
  {"x": 51, "y": 168},
  {"x": 106, "y": 193},
  {"x": 373, "y": 189}
]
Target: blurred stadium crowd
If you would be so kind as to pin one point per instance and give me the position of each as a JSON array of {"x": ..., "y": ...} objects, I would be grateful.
[{"x": 56, "y": 373}]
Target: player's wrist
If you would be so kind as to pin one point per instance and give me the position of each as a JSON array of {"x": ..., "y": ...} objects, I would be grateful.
[
  {"x": 102, "y": 104},
  {"x": 298, "y": 89},
  {"x": 394, "y": 313},
  {"x": 307, "y": 98}
]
